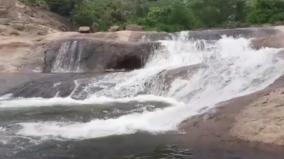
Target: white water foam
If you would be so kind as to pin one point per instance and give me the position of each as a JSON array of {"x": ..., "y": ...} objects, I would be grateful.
[
  {"x": 232, "y": 69},
  {"x": 43, "y": 102},
  {"x": 6, "y": 97},
  {"x": 2, "y": 129}
]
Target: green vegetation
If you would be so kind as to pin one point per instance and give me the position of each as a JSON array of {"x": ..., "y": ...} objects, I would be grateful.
[
  {"x": 267, "y": 11},
  {"x": 167, "y": 15}
]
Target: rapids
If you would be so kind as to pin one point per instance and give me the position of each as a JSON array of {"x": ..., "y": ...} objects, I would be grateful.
[{"x": 226, "y": 68}]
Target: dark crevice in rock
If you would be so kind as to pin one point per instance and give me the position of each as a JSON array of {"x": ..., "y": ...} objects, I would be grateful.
[{"x": 128, "y": 62}]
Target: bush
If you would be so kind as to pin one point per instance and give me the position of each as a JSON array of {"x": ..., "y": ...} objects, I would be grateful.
[
  {"x": 62, "y": 7},
  {"x": 212, "y": 13},
  {"x": 167, "y": 15},
  {"x": 169, "y": 18},
  {"x": 267, "y": 11},
  {"x": 38, "y": 3}
]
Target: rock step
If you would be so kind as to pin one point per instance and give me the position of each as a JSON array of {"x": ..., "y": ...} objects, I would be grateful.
[
  {"x": 4, "y": 12},
  {"x": 4, "y": 21}
]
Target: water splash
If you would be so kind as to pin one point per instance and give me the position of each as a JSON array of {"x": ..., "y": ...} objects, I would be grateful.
[{"x": 231, "y": 69}]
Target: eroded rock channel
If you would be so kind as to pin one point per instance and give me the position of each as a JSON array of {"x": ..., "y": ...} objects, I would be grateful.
[{"x": 136, "y": 95}]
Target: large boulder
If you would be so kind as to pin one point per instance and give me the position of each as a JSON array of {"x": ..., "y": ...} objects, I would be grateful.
[
  {"x": 84, "y": 29},
  {"x": 80, "y": 86},
  {"x": 114, "y": 28},
  {"x": 164, "y": 80},
  {"x": 96, "y": 55},
  {"x": 269, "y": 41},
  {"x": 27, "y": 53},
  {"x": 19, "y": 55},
  {"x": 5, "y": 5},
  {"x": 41, "y": 85}
]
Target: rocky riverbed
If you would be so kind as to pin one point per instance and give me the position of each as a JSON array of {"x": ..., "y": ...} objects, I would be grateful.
[{"x": 72, "y": 95}]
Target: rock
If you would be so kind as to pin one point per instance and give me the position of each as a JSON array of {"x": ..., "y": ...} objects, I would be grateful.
[
  {"x": 17, "y": 15},
  {"x": 215, "y": 34},
  {"x": 26, "y": 53},
  {"x": 114, "y": 28},
  {"x": 5, "y": 6},
  {"x": 84, "y": 29},
  {"x": 94, "y": 55},
  {"x": 14, "y": 33},
  {"x": 7, "y": 3},
  {"x": 19, "y": 55},
  {"x": 2, "y": 28},
  {"x": 42, "y": 85},
  {"x": 4, "y": 21},
  {"x": 18, "y": 26},
  {"x": 165, "y": 79},
  {"x": 276, "y": 41},
  {"x": 134, "y": 27},
  {"x": 3, "y": 12},
  {"x": 132, "y": 36},
  {"x": 263, "y": 120},
  {"x": 9, "y": 81}
]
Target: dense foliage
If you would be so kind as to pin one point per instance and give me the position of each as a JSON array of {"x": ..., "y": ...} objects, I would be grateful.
[{"x": 167, "y": 15}]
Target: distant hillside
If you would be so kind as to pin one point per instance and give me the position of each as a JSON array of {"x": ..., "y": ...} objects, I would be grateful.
[
  {"x": 167, "y": 15},
  {"x": 17, "y": 18}
]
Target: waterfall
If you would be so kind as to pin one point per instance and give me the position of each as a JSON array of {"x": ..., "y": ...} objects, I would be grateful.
[
  {"x": 210, "y": 72},
  {"x": 68, "y": 58}
]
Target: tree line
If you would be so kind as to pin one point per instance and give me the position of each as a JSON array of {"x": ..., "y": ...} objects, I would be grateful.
[{"x": 167, "y": 15}]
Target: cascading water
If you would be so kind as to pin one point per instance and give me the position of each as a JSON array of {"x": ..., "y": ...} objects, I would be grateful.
[
  {"x": 223, "y": 69},
  {"x": 68, "y": 58}
]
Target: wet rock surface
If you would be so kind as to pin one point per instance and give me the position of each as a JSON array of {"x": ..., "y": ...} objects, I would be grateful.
[
  {"x": 27, "y": 54},
  {"x": 276, "y": 41},
  {"x": 235, "y": 124},
  {"x": 210, "y": 136},
  {"x": 90, "y": 55},
  {"x": 215, "y": 34},
  {"x": 47, "y": 87},
  {"x": 38, "y": 53}
]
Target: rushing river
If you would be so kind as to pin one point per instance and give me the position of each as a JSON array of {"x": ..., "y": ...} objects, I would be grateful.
[{"x": 136, "y": 110}]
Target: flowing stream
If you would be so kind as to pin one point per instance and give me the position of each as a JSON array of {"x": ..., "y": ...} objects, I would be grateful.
[{"x": 154, "y": 99}]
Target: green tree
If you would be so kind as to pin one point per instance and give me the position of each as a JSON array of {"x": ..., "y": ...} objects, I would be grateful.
[
  {"x": 166, "y": 15},
  {"x": 170, "y": 18},
  {"x": 213, "y": 13},
  {"x": 62, "y": 7},
  {"x": 266, "y": 11}
]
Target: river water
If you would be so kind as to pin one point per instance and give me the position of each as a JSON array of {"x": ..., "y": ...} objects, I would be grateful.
[{"x": 136, "y": 114}]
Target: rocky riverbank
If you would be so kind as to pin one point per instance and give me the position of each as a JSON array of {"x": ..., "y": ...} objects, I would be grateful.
[
  {"x": 250, "y": 122},
  {"x": 27, "y": 54},
  {"x": 29, "y": 68}
]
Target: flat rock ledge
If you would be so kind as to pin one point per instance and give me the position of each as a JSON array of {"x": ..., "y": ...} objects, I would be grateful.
[
  {"x": 254, "y": 121},
  {"x": 263, "y": 120}
]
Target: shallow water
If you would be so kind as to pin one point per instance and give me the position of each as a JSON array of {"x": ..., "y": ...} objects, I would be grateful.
[{"x": 137, "y": 114}]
